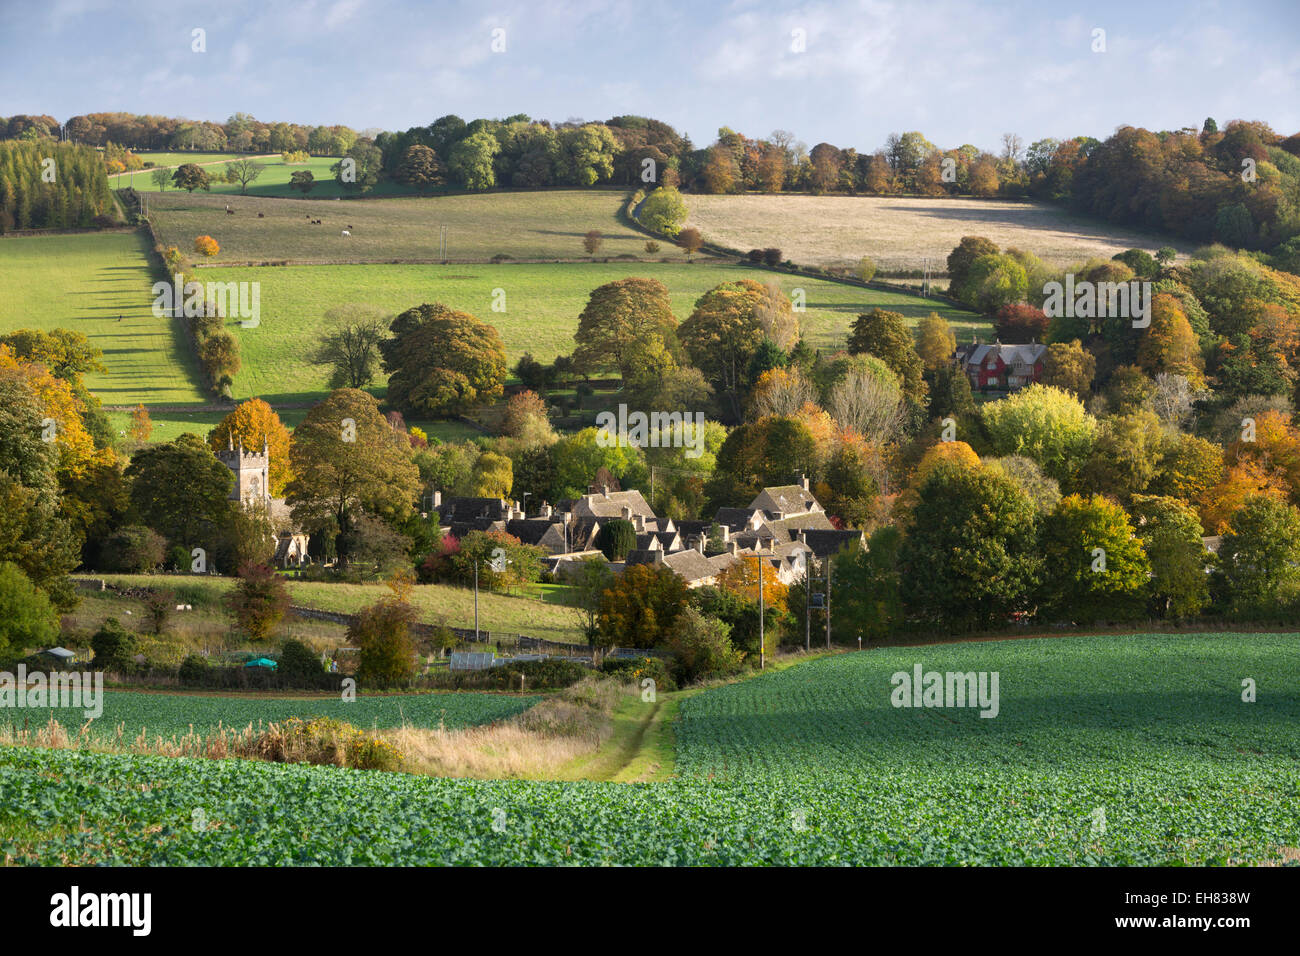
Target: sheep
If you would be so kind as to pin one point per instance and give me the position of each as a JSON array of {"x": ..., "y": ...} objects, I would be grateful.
[{"x": 346, "y": 233}]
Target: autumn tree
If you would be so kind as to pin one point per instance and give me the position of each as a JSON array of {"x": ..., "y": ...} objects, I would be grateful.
[
  {"x": 591, "y": 242},
  {"x": 963, "y": 257},
  {"x": 1169, "y": 345},
  {"x": 1018, "y": 322},
  {"x": 723, "y": 332},
  {"x": 141, "y": 426},
  {"x": 1070, "y": 367},
  {"x": 259, "y": 601},
  {"x": 1171, "y": 536},
  {"x": 442, "y": 362},
  {"x": 1044, "y": 423},
  {"x": 622, "y": 323},
  {"x": 251, "y": 425},
  {"x": 419, "y": 167},
  {"x": 641, "y": 608},
  {"x": 690, "y": 240},
  {"x": 935, "y": 341}
]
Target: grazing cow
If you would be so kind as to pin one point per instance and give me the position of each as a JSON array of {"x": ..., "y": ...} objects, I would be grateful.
[
  {"x": 229, "y": 211},
  {"x": 346, "y": 233},
  {"x": 261, "y": 215}
]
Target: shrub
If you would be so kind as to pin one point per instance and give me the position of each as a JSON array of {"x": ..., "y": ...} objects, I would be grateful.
[
  {"x": 703, "y": 648},
  {"x": 133, "y": 549},
  {"x": 382, "y": 632},
  {"x": 325, "y": 741},
  {"x": 298, "y": 663},
  {"x": 193, "y": 669},
  {"x": 157, "y": 608},
  {"x": 206, "y": 245},
  {"x": 616, "y": 539},
  {"x": 652, "y": 247},
  {"x": 633, "y": 670},
  {"x": 114, "y": 647},
  {"x": 772, "y": 257},
  {"x": 756, "y": 256},
  {"x": 866, "y": 269}
]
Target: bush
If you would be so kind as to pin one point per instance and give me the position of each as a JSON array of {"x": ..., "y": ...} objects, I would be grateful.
[
  {"x": 114, "y": 647},
  {"x": 633, "y": 670},
  {"x": 540, "y": 675},
  {"x": 326, "y": 741},
  {"x": 133, "y": 549},
  {"x": 772, "y": 257},
  {"x": 382, "y": 632},
  {"x": 206, "y": 245},
  {"x": 259, "y": 601},
  {"x": 193, "y": 670},
  {"x": 703, "y": 647},
  {"x": 298, "y": 663},
  {"x": 756, "y": 256}
]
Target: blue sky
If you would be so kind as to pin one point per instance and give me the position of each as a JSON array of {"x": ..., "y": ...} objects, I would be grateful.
[{"x": 958, "y": 71}]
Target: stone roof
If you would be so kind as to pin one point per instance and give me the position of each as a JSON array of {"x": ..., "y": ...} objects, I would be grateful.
[
  {"x": 825, "y": 543},
  {"x": 785, "y": 500},
  {"x": 690, "y": 565},
  {"x": 611, "y": 505}
]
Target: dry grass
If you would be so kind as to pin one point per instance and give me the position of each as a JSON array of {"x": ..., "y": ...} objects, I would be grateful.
[
  {"x": 899, "y": 232},
  {"x": 572, "y": 724}
]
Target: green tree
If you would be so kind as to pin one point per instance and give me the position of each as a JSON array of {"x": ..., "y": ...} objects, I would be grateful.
[
  {"x": 442, "y": 362},
  {"x": 663, "y": 211},
  {"x": 1069, "y": 366},
  {"x": 382, "y": 634},
  {"x": 113, "y": 646},
  {"x": 470, "y": 161},
  {"x": 181, "y": 491},
  {"x": 971, "y": 557},
  {"x": 702, "y": 647},
  {"x": 592, "y": 579},
  {"x": 617, "y": 538},
  {"x": 191, "y": 177},
  {"x": 243, "y": 171},
  {"x": 885, "y": 334},
  {"x": 360, "y": 167},
  {"x": 27, "y": 619},
  {"x": 963, "y": 257},
  {"x": 345, "y": 458},
  {"x": 1044, "y": 423},
  {"x": 350, "y": 346},
  {"x": 1259, "y": 556},
  {"x": 1125, "y": 456},
  {"x": 1171, "y": 536},
  {"x": 1094, "y": 567},
  {"x": 302, "y": 180},
  {"x": 723, "y": 332}
]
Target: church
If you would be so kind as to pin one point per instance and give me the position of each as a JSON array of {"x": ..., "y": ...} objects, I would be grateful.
[{"x": 252, "y": 488}]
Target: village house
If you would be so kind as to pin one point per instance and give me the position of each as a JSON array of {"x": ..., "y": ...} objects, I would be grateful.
[{"x": 1000, "y": 366}]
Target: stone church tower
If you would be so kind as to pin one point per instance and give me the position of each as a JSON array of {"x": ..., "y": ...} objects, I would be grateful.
[{"x": 252, "y": 473}]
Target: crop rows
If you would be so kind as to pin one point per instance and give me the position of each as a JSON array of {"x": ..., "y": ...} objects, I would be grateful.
[
  {"x": 168, "y": 715},
  {"x": 1116, "y": 751}
]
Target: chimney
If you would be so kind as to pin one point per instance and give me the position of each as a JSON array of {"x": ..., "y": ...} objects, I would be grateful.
[
  {"x": 605, "y": 490},
  {"x": 437, "y": 499},
  {"x": 726, "y": 533},
  {"x": 625, "y": 511},
  {"x": 803, "y": 536},
  {"x": 803, "y": 482},
  {"x": 546, "y": 510},
  {"x": 638, "y": 521},
  {"x": 700, "y": 542},
  {"x": 733, "y": 547},
  {"x": 658, "y": 557}
]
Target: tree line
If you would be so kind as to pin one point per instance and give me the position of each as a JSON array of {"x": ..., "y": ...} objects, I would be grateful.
[{"x": 52, "y": 186}]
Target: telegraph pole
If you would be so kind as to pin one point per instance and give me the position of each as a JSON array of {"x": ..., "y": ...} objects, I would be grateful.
[
  {"x": 807, "y": 604},
  {"x": 476, "y": 640},
  {"x": 762, "y": 652},
  {"x": 828, "y": 604}
]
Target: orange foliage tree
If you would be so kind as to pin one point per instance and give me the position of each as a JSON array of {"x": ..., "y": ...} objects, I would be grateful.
[
  {"x": 251, "y": 423},
  {"x": 742, "y": 578},
  {"x": 206, "y": 245}
]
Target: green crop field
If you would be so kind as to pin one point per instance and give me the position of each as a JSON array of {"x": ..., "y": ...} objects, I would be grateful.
[
  {"x": 174, "y": 715},
  {"x": 84, "y": 283},
  {"x": 1110, "y": 750},
  {"x": 548, "y": 224},
  {"x": 542, "y": 304},
  {"x": 273, "y": 181}
]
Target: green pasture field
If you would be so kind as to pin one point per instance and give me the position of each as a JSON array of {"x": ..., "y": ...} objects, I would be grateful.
[
  {"x": 542, "y": 304},
  {"x": 174, "y": 715},
  {"x": 274, "y": 181},
  {"x": 180, "y": 157},
  {"x": 1118, "y": 750},
  {"x": 84, "y": 283},
  {"x": 436, "y": 603},
  {"x": 547, "y": 224}
]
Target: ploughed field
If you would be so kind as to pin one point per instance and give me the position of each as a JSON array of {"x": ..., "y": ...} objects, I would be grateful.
[{"x": 1108, "y": 750}]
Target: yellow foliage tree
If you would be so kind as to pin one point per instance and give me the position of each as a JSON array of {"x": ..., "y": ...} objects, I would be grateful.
[
  {"x": 62, "y": 407},
  {"x": 251, "y": 424},
  {"x": 742, "y": 578},
  {"x": 141, "y": 424}
]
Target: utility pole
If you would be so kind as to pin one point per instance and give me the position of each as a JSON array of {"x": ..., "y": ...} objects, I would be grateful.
[
  {"x": 828, "y": 604},
  {"x": 476, "y": 601},
  {"x": 762, "y": 637},
  {"x": 807, "y": 604}
]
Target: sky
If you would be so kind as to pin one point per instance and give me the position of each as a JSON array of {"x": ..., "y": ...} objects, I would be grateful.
[{"x": 848, "y": 72}]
